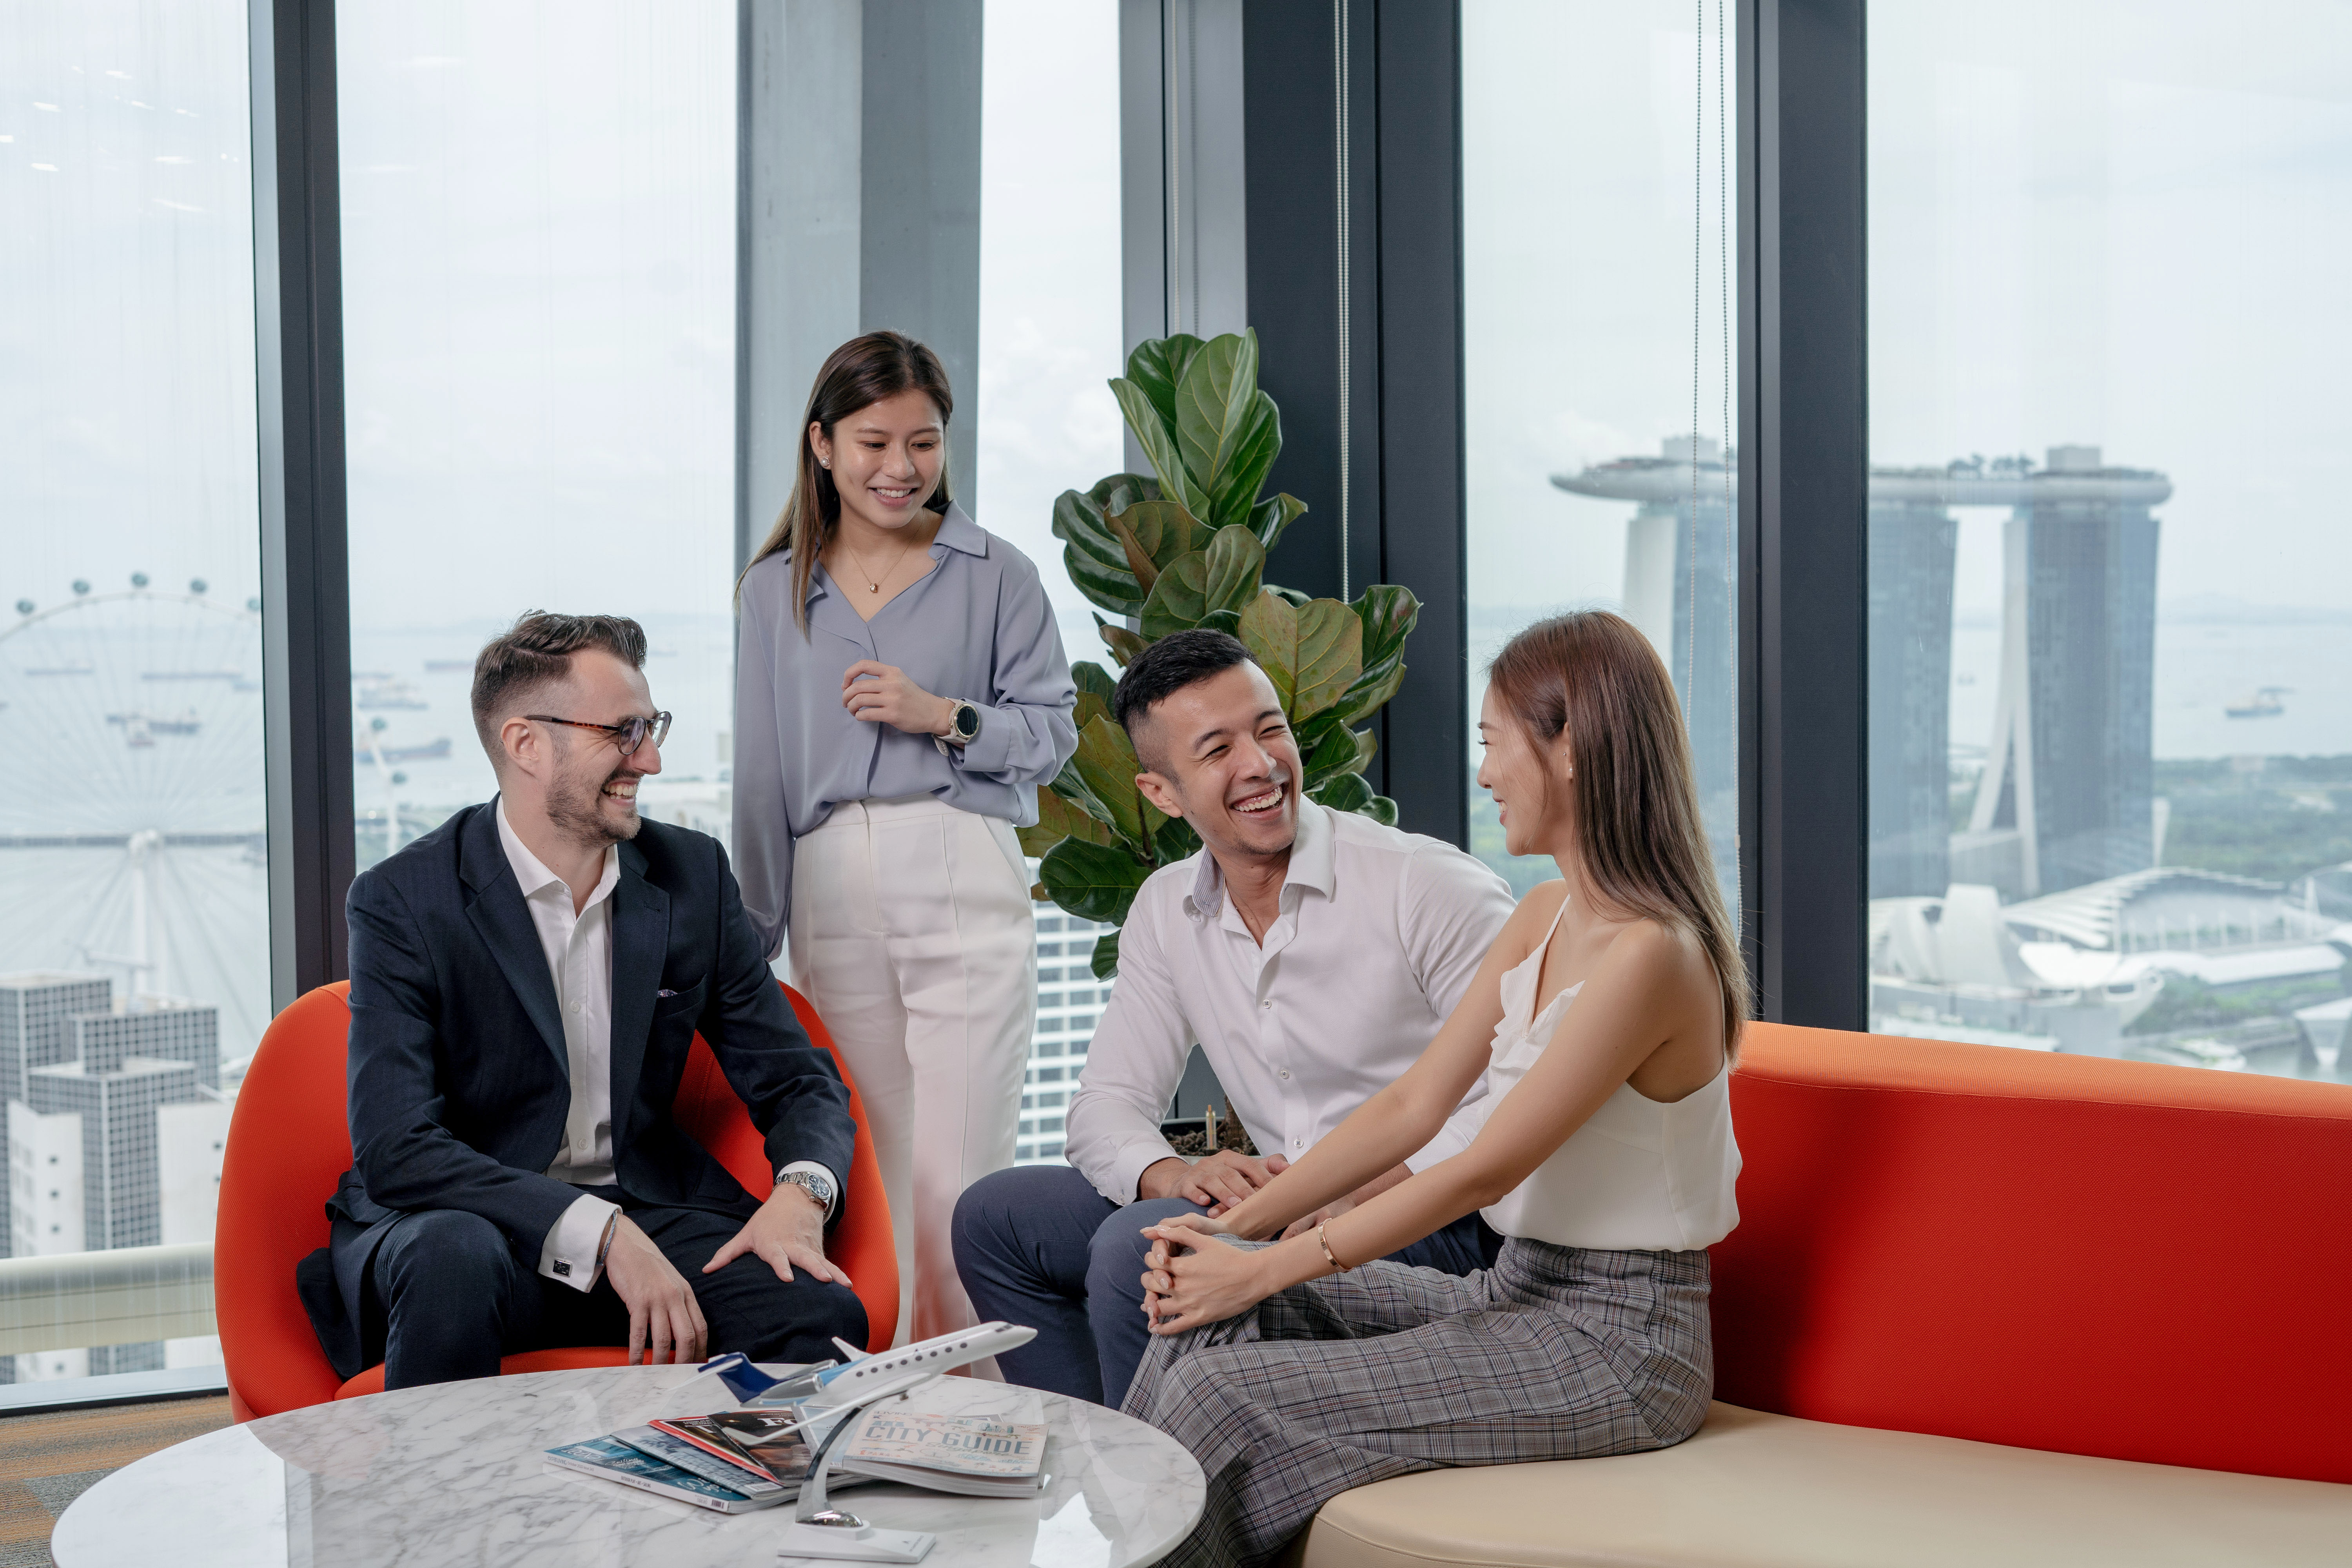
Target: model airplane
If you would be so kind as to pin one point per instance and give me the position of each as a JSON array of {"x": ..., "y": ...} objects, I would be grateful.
[{"x": 859, "y": 1375}]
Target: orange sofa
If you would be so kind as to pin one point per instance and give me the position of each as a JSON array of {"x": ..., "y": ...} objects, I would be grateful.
[
  {"x": 1983, "y": 1306},
  {"x": 289, "y": 1142}
]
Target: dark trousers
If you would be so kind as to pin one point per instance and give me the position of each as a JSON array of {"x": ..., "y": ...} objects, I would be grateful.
[
  {"x": 450, "y": 1295},
  {"x": 1038, "y": 1246}
]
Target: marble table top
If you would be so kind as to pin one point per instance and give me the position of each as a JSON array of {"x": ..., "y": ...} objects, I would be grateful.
[{"x": 452, "y": 1475}]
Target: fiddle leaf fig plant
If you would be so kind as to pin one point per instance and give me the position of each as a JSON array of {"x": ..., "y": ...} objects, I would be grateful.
[{"x": 1185, "y": 546}]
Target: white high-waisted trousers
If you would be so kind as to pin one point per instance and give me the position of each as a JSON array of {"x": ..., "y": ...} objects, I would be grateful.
[{"x": 911, "y": 932}]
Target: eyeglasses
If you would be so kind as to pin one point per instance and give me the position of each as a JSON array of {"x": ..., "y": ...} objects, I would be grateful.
[{"x": 628, "y": 735}]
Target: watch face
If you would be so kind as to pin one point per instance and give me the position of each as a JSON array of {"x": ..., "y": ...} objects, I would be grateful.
[{"x": 967, "y": 720}]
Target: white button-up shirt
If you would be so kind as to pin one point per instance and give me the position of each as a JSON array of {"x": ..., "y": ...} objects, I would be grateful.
[
  {"x": 579, "y": 949},
  {"x": 1378, "y": 936}
]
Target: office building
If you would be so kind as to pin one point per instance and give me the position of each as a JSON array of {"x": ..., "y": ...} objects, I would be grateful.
[
  {"x": 34, "y": 1033},
  {"x": 2067, "y": 795},
  {"x": 122, "y": 1194},
  {"x": 1913, "y": 542},
  {"x": 44, "y": 1182},
  {"x": 1681, "y": 559},
  {"x": 1069, "y": 1002}
]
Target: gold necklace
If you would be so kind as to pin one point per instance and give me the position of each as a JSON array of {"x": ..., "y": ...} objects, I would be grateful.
[{"x": 873, "y": 583}]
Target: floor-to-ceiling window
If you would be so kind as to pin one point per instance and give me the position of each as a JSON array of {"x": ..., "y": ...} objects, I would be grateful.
[
  {"x": 2110, "y": 751},
  {"x": 538, "y": 307},
  {"x": 1598, "y": 337},
  {"x": 134, "y": 975},
  {"x": 1049, "y": 344}
]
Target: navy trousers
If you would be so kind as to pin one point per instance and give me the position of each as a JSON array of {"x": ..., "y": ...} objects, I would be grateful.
[
  {"x": 449, "y": 1295},
  {"x": 1038, "y": 1246}
]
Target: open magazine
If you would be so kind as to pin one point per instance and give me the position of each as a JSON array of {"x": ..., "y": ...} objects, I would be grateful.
[
  {"x": 973, "y": 1456},
  {"x": 736, "y": 1460}
]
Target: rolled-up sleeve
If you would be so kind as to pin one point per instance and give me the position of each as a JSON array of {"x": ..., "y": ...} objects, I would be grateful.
[
  {"x": 763, "y": 832},
  {"x": 1132, "y": 1069},
  {"x": 1026, "y": 731}
]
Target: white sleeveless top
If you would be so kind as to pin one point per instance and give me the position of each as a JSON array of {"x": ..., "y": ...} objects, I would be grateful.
[{"x": 1638, "y": 1175}]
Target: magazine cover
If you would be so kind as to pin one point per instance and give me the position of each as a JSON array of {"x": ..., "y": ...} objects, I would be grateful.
[
  {"x": 615, "y": 1461},
  {"x": 766, "y": 1437},
  {"x": 675, "y": 1450},
  {"x": 971, "y": 1445}
]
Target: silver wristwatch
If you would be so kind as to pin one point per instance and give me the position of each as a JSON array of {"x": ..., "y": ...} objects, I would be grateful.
[
  {"x": 963, "y": 725},
  {"x": 814, "y": 1185}
]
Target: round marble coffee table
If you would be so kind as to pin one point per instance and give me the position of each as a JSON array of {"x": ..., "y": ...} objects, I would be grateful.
[{"x": 453, "y": 1475}]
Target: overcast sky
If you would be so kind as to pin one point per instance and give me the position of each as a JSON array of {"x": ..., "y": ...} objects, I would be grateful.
[{"x": 2121, "y": 224}]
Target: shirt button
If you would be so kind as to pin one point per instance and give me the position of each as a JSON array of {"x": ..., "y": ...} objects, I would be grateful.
[
  {"x": 575, "y": 1006},
  {"x": 1269, "y": 1006},
  {"x": 1298, "y": 1142},
  {"x": 1286, "y": 1073}
]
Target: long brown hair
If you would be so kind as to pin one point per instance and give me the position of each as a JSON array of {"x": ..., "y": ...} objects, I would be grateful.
[
  {"x": 859, "y": 374},
  {"x": 1637, "y": 820}
]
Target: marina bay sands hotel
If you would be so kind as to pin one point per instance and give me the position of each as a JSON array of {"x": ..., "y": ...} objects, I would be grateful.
[{"x": 2066, "y": 794}]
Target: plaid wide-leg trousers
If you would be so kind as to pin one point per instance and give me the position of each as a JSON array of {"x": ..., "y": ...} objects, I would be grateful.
[{"x": 1555, "y": 1352}]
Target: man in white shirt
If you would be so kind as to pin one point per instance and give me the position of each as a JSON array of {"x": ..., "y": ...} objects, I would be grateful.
[
  {"x": 1313, "y": 955},
  {"x": 527, "y": 981}
]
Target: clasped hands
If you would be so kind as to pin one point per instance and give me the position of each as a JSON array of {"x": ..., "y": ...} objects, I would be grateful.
[
  {"x": 665, "y": 1319},
  {"x": 882, "y": 693},
  {"x": 1187, "y": 1283}
]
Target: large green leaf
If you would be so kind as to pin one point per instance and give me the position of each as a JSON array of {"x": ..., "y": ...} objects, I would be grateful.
[
  {"x": 1058, "y": 819},
  {"x": 1236, "y": 567},
  {"x": 1389, "y": 614},
  {"x": 1226, "y": 621},
  {"x": 1090, "y": 707},
  {"x": 1340, "y": 750},
  {"x": 1222, "y": 578},
  {"x": 1105, "y": 961},
  {"x": 1344, "y": 792},
  {"x": 1106, "y": 763},
  {"x": 1158, "y": 445},
  {"x": 1124, "y": 645},
  {"x": 1158, "y": 364},
  {"x": 1218, "y": 416},
  {"x": 1174, "y": 840},
  {"x": 1269, "y": 629},
  {"x": 1330, "y": 656},
  {"x": 1073, "y": 789},
  {"x": 1162, "y": 529},
  {"x": 1381, "y": 809},
  {"x": 1272, "y": 515},
  {"x": 1312, "y": 653},
  {"x": 1096, "y": 562},
  {"x": 1088, "y": 676},
  {"x": 1233, "y": 496},
  {"x": 1093, "y": 881}
]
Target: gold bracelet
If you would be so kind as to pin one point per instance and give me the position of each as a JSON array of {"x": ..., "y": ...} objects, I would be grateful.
[{"x": 1324, "y": 1243}]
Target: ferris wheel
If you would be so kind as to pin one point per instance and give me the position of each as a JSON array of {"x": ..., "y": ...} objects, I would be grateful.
[{"x": 135, "y": 840}]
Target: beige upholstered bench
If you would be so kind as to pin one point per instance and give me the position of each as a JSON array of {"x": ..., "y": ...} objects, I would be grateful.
[
  {"x": 1753, "y": 1491},
  {"x": 2009, "y": 1308}
]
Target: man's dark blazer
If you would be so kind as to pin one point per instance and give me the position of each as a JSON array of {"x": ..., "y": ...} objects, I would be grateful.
[{"x": 460, "y": 1082}]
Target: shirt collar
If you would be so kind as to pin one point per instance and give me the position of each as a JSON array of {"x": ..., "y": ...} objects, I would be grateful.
[
  {"x": 1312, "y": 864},
  {"x": 532, "y": 872},
  {"x": 957, "y": 531}
]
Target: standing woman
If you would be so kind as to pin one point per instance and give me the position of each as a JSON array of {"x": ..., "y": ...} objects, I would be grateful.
[
  {"x": 1604, "y": 1020},
  {"x": 900, "y": 691}
]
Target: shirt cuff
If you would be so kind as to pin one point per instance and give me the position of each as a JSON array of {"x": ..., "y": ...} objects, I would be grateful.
[
  {"x": 831, "y": 1182},
  {"x": 1126, "y": 1168},
  {"x": 568, "y": 1255}
]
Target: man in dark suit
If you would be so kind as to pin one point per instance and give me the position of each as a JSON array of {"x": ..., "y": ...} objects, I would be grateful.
[{"x": 526, "y": 982}]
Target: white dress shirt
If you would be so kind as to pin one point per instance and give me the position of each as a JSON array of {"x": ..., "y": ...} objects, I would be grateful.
[
  {"x": 1378, "y": 936},
  {"x": 579, "y": 949}
]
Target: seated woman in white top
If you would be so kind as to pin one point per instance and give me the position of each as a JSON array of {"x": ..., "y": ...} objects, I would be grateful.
[{"x": 1605, "y": 1019}]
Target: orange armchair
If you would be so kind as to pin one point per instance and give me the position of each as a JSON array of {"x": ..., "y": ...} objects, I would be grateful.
[{"x": 289, "y": 1141}]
